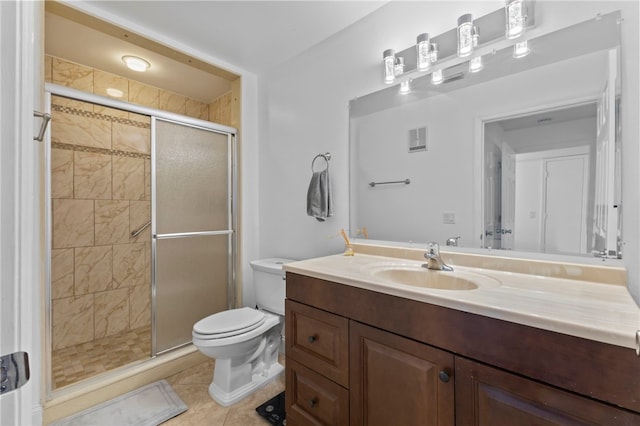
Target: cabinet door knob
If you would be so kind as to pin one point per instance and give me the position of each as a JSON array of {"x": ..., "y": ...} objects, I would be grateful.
[
  {"x": 444, "y": 376},
  {"x": 312, "y": 339},
  {"x": 313, "y": 402}
]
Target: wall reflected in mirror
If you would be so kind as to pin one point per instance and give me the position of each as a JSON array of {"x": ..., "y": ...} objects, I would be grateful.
[{"x": 519, "y": 158}]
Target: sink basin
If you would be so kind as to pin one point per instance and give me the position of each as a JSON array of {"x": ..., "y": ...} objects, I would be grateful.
[{"x": 417, "y": 276}]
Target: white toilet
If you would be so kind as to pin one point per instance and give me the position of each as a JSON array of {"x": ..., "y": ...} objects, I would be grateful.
[{"x": 245, "y": 341}]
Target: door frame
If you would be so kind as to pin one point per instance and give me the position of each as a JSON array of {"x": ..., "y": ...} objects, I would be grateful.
[
  {"x": 478, "y": 154},
  {"x": 21, "y": 224}
]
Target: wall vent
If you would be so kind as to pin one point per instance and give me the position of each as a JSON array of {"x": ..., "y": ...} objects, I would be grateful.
[{"x": 418, "y": 139}]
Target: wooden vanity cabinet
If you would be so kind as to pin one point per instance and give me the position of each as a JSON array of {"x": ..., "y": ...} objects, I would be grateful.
[
  {"x": 487, "y": 396},
  {"x": 359, "y": 357},
  {"x": 398, "y": 381}
]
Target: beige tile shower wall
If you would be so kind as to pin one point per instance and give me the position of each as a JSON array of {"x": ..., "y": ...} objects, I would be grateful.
[
  {"x": 101, "y": 281},
  {"x": 101, "y": 192},
  {"x": 221, "y": 109},
  {"x": 70, "y": 74}
]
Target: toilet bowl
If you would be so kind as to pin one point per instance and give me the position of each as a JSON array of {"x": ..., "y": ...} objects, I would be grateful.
[{"x": 244, "y": 342}]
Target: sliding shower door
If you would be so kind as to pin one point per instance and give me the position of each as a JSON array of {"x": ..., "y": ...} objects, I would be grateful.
[{"x": 193, "y": 228}]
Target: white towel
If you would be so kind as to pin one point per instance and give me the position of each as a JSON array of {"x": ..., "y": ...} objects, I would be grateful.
[{"x": 319, "y": 203}]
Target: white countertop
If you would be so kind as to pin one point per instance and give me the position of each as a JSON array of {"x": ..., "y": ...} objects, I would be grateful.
[{"x": 601, "y": 312}]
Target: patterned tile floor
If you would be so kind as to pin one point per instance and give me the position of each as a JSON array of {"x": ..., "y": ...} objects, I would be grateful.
[
  {"x": 192, "y": 387},
  {"x": 75, "y": 363}
]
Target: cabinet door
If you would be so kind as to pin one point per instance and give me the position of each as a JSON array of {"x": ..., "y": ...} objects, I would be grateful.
[
  {"x": 486, "y": 396},
  {"x": 398, "y": 381}
]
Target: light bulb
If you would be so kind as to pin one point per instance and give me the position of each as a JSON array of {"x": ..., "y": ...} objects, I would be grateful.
[
  {"x": 475, "y": 64},
  {"x": 437, "y": 77},
  {"x": 135, "y": 63},
  {"x": 465, "y": 35},
  {"x": 404, "y": 88},
  {"x": 520, "y": 50},
  {"x": 389, "y": 61},
  {"x": 434, "y": 52},
  {"x": 398, "y": 69},
  {"x": 423, "y": 51},
  {"x": 515, "y": 19}
]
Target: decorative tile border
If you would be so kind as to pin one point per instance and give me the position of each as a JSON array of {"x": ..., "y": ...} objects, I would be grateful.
[
  {"x": 82, "y": 148},
  {"x": 104, "y": 117}
]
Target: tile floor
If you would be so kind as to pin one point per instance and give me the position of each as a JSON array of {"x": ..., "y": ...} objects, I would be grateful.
[
  {"x": 192, "y": 387},
  {"x": 75, "y": 363}
]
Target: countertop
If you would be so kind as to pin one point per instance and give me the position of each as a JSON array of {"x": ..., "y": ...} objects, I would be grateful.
[{"x": 598, "y": 311}]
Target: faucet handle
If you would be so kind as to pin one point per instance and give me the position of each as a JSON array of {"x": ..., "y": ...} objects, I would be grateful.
[
  {"x": 433, "y": 248},
  {"x": 453, "y": 241}
]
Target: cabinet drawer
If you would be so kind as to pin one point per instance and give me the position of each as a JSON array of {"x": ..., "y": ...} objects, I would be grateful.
[
  {"x": 314, "y": 400},
  {"x": 319, "y": 340}
]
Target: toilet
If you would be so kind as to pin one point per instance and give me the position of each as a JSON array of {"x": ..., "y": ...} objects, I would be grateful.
[{"x": 245, "y": 341}]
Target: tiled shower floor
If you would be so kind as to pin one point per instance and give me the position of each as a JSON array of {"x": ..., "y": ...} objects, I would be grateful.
[{"x": 79, "y": 362}]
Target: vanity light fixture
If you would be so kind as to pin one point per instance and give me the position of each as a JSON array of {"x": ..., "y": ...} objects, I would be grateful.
[
  {"x": 467, "y": 35},
  {"x": 434, "y": 52},
  {"x": 405, "y": 87},
  {"x": 423, "y": 51},
  {"x": 515, "y": 18},
  {"x": 475, "y": 64},
  {"x": 135, "y": 63},
  {"x": 398, "y": 69},
  {"x": 520, "y": 50},
  {"x": 437, "y": 77},
  {"x": 389, "y": 62}
]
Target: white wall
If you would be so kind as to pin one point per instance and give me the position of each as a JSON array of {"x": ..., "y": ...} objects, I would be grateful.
[{"x": 306, "y": 113}]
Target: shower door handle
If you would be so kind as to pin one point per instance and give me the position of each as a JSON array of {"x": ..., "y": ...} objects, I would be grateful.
[{"x": 43, "y": 127}]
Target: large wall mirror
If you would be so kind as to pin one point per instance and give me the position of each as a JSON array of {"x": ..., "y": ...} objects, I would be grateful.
[{"x": 523, "y": 155}]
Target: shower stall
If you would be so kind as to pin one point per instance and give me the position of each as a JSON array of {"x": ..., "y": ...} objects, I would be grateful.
[{"x": 140, "y": 225}]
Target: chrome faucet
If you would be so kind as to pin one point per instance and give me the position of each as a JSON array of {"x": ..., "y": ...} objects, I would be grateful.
[
  {"x": 433, "y": 258},
  {"x": 453, "y": 241}
]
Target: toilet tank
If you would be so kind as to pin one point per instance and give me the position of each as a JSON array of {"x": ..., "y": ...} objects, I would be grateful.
[{"x": 269, "y": 283}]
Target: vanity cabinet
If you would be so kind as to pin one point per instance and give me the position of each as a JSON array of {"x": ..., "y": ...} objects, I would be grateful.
[
  {"x": 398, "y": 381},
  {"x": 360, "y": 357},
  {"x": 317, "y": 367},
  {"x": 487, "y": 396}
]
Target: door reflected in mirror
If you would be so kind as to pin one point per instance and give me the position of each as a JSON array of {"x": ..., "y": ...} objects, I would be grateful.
[{"x": 537, "y": 173}]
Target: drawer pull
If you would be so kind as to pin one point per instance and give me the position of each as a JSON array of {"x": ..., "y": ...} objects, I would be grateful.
[
  {"x": 312, "y": 338},
  {"x": 444, "y": 376},
  {"x": 313, "y": 402}
]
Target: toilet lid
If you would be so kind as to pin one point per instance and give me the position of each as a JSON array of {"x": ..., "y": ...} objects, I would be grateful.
[{"x": 229, "y": 322}]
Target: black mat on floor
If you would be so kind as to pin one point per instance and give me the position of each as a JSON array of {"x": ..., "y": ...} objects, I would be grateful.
[{"x": 273, "y": 410}]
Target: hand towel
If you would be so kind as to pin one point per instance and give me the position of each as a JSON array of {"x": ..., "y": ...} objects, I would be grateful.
[{"x": 319, "y": 203}]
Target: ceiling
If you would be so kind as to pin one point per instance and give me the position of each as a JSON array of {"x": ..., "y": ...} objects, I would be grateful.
[{"x": 253, "y": 36}]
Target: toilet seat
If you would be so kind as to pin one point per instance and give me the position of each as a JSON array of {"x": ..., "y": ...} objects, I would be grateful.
[{"x": 228, "y": 323}]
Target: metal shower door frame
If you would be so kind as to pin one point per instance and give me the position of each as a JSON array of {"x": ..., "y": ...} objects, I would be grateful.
[
  {"x": 232, "y": 215},
  {"x": 68, "y": 92}
]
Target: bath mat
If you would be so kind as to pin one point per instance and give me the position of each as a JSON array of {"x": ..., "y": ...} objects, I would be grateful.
[
  {"x": 147, "y": 406},
  {"x": 273, "y": 410}
]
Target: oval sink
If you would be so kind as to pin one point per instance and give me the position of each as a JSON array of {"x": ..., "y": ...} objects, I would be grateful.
[{"x": 417, "y": 276}]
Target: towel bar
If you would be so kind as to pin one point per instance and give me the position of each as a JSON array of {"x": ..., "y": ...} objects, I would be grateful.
[
  {"x": 326, "y": 156},
  {"x": 373, "y": 184}
]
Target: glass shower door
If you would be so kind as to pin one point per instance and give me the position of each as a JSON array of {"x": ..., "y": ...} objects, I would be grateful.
[{"x": 193, "y": 235}]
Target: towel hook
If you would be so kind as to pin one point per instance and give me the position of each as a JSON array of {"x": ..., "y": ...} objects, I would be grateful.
[{"x": 326, "y": 156}]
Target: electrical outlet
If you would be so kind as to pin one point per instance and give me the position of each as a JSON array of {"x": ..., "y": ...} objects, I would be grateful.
[{"x": 449, "y": 218}]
